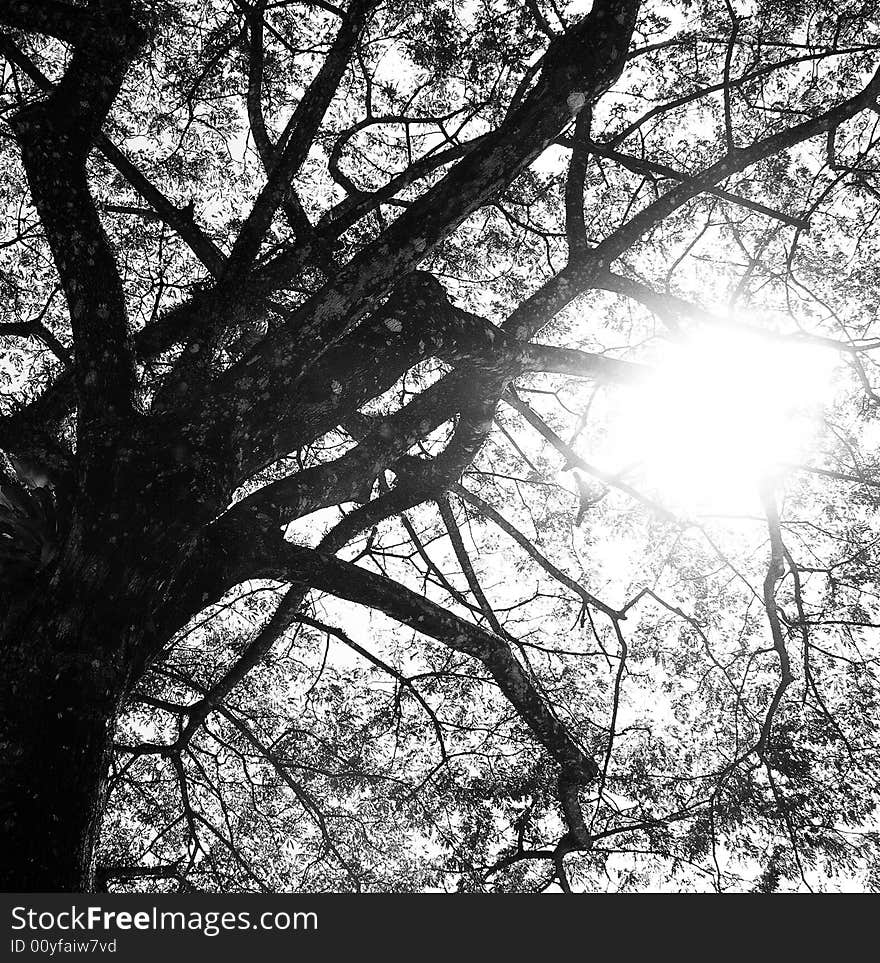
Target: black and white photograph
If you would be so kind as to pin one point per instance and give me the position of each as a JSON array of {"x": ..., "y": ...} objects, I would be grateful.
[{"x": 439, "y": 452}]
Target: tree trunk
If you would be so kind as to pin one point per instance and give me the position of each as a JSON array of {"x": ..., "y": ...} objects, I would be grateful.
[{"x": 62, "y": 678}]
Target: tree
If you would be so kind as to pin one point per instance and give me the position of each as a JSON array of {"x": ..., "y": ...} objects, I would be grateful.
[{"x": 303, "y": 305}]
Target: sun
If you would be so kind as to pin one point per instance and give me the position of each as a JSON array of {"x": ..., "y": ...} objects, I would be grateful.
[{"x": 726, "y": 408}]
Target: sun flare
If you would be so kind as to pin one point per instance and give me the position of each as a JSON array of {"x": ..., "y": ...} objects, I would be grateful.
[{"x": 726, "y": 408}]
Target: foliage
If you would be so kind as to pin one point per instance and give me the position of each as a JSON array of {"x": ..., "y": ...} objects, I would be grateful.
[{"x": 358, "y": 371}]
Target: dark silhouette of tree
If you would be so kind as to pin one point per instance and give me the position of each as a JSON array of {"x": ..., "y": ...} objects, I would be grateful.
[{"x": 313, "y": 316}]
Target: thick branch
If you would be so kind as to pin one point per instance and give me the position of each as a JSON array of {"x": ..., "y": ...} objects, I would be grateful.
[
  {"x": 577, "y": 68},
  {"x": 56, "y": 136},
  {"x": 581, "y": 274},
  {"x": 350, "y": 582}
]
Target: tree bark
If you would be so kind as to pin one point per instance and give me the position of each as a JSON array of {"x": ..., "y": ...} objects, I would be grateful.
[{"x": 62, "y": 678}]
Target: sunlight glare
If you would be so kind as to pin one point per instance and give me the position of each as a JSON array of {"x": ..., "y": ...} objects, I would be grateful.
[{"x": 726, "y": 408}]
